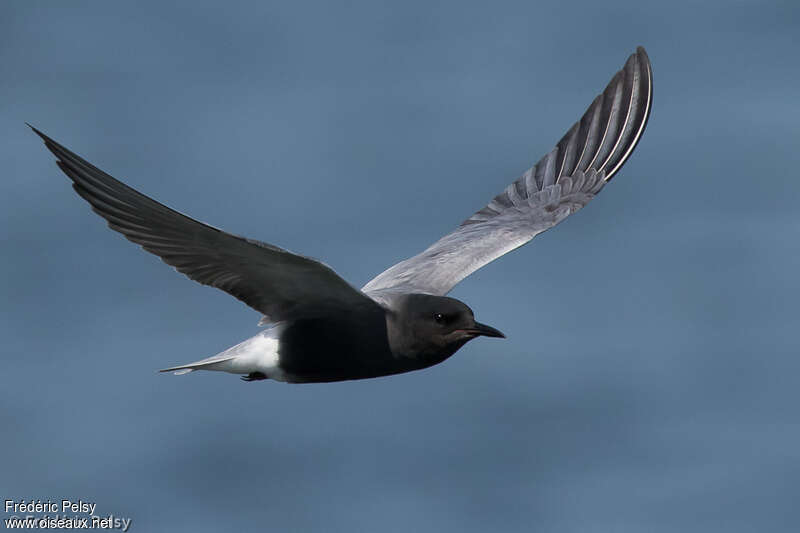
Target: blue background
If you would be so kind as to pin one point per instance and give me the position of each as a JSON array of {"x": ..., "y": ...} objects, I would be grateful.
[{"x": 649, "y": 381}]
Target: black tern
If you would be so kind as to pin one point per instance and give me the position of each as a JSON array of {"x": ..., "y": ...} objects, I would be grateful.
[{"x": 321, "y": 328}]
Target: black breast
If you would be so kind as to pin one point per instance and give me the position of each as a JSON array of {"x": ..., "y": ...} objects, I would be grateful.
[{"x": 350, "y": 345}]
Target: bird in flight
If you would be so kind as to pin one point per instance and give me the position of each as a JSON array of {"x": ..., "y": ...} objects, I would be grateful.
[{"x": 322, "y": 329}]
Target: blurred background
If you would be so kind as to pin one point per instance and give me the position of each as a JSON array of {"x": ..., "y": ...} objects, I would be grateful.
[{"x": 649, "y": 381}]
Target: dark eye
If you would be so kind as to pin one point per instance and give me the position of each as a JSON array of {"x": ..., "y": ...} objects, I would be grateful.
[{"x": 438, "y": 317}]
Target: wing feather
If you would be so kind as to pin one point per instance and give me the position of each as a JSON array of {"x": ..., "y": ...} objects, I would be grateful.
[
  {"x": 278, "y": 283},
  {"x": 561, "y": 183}
]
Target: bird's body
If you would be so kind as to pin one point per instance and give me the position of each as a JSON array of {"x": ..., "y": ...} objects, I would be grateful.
[
  {"x": 355, "y": 343},
  {"x": 321, "y": 328}
]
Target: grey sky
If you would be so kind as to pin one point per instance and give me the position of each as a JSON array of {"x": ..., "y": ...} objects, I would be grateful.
[{"x": 649, "y": 378}]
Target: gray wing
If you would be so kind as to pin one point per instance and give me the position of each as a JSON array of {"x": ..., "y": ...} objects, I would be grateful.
[
  {"x": 562, "y": 182},
  {"x": 275, "y": 282}
]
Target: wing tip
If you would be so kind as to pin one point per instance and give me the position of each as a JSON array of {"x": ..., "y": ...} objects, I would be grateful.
[
  {"x": 56, "y": 149},
  {"x": 642, "y": 53},
  {"x": 642, "y": 67},
  {"x": 44, "y": 137}
]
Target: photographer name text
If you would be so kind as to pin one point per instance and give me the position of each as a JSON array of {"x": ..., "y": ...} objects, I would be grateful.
[{"x": 22, "y": 515}]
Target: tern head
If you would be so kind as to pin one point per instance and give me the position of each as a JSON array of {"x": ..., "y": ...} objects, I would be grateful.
[{"x": 433, "y": 328}]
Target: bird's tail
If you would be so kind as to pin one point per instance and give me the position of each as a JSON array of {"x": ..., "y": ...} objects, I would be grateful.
[
  {"x": 209, "y": 363},
  {"x": 257, "y": 355}
]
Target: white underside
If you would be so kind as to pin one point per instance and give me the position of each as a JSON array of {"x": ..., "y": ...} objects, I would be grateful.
[{"x": 256, "y": 354}]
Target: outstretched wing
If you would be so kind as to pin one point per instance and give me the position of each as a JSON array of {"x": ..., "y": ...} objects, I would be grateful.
[
  {"x": 562, "y": 182},
  {"x": 280, "y": 284}
]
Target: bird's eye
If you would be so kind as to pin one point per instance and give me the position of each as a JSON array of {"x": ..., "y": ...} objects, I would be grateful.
[{"x": 438, "y": 317}]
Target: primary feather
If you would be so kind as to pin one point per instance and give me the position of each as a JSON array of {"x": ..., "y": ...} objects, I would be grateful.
[
  {"x": 561, "y": 183},
  {"x": 280, "y": 284}
]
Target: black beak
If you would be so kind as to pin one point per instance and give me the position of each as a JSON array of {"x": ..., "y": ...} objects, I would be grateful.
[{"x": 484, "y": 330}]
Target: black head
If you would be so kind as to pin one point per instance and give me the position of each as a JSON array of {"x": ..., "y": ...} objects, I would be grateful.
[{"x": 437, "y": 326}]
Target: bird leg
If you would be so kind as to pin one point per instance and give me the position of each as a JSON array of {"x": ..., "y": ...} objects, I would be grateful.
[{"x": 254, "y": 376}]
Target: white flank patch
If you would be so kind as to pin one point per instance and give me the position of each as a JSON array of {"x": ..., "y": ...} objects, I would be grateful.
[
  {"x": 256, "y": 354},
  {"x": 259, "y": 353}
]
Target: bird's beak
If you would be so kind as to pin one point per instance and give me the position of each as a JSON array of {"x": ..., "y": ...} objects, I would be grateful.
[{"x": 484, "y": 330}]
